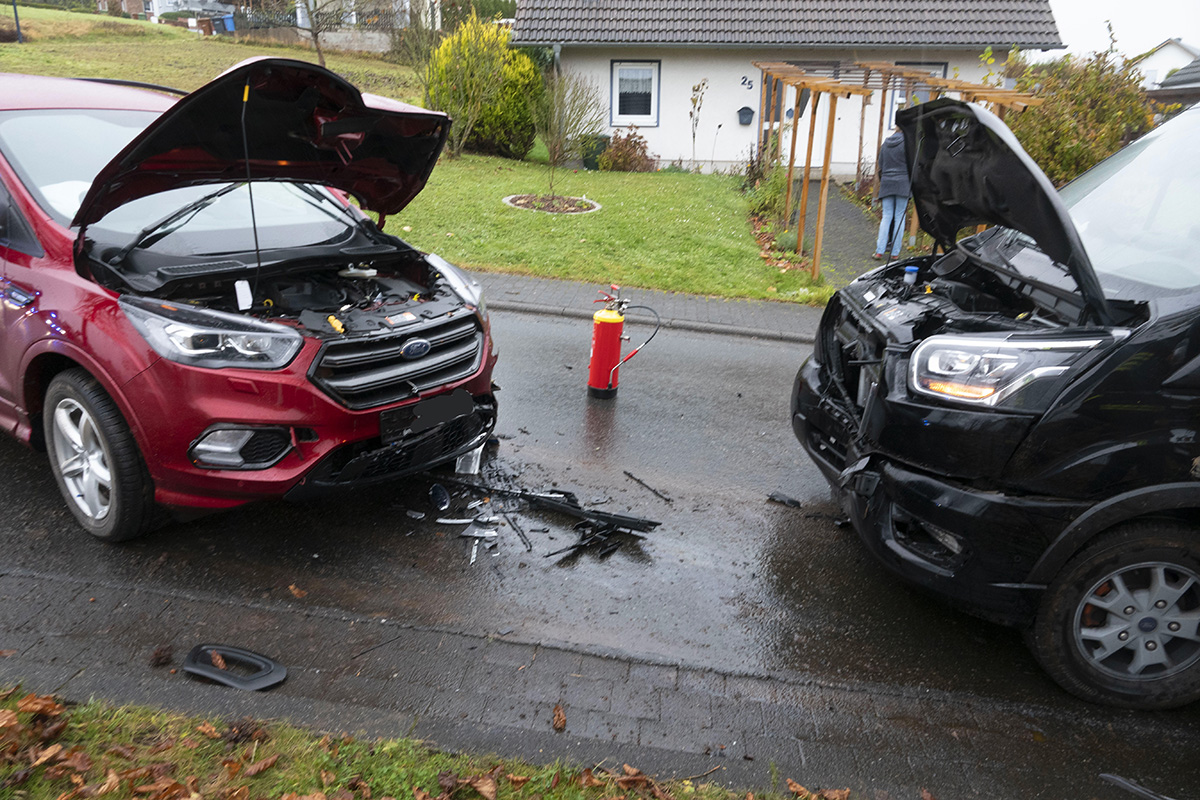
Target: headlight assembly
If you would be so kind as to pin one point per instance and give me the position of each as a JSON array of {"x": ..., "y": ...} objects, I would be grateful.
[
  {"x": 200, "y": 337},
  {"x": 1022, "y": 374},
  {"x": 462, "y": 284}
]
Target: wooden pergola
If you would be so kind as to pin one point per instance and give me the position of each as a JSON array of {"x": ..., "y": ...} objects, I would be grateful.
[{"x": 862, "y": 78}]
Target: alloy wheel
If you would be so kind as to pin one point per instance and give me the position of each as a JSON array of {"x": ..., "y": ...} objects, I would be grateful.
[
  {"x": 83, "y": 459},
  {"x": 1141, "y": 622}
]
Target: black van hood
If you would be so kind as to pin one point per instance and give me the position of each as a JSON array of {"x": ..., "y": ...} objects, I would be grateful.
[
  {"x": 967, "y": 168},
  {"x": 301, "y": 123}
]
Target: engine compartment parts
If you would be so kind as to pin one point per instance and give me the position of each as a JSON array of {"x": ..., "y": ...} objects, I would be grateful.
[{"x": 250, "y": 672}]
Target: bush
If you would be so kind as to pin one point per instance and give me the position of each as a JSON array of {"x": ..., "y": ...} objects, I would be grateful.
[
  {"x": 461, "y": 77},
  {"x": 1093, "y": 107},
  {"x": 766, "y": 199},
  {"x": 626, "y": 153},
  {"x": 505, "y": 128}
]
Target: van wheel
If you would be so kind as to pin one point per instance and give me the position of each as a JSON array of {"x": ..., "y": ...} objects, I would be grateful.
[
  {"x": 95, "y": 459},
  {"x": 1120, "y": 625}
]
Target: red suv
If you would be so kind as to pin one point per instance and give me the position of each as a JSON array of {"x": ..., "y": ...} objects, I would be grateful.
[{"x": 194, "y": 315}]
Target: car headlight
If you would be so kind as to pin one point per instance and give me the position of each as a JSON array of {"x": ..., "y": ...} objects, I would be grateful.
[
  {"x": 1023, "y": 374},
  {"x": 461, "y": 283},
  {"x": 201, "y": 337}
]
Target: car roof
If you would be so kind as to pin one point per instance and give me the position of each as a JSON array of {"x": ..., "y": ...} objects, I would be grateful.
[{"x": 39, "y": 92}]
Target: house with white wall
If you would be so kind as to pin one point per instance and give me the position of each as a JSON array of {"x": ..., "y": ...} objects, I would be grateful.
[
  {"x": 1163, "y": 59},
  {"x": 646, "y": 58}
]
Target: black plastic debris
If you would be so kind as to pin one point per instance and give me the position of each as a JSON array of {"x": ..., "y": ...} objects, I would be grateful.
[
  {"x": 783, "y": 500},
  {"x": 439, "y": 498},
  {"x": 647, "y": 487},
  {"x": 565, "y": 503},
  {"x": 264, "y": 674}
]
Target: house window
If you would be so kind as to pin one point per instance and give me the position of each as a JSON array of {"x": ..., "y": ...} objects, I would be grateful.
[
  {"x": 897, "y": 98},
  {"x": 635, "y": 93}
]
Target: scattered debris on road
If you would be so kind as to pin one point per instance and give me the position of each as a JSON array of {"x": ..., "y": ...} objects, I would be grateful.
[
  {"x": 256, "y": 672},
  {"x": 783, "y": 500},
  {"x": 560, "y": 718},
  {"x": 439, "y": 497},
  {"x": 647, "y": 487},
  {"x": 1132, "y": 787}
]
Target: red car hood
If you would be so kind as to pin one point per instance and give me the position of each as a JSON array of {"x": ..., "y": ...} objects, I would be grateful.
[{"x": 297, "y": 121}]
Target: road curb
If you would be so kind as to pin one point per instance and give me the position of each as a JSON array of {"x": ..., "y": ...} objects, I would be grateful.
[{"x": 677, "y": 324}]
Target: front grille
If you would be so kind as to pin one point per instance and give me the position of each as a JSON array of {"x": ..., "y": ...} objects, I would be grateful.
[
  {"x": 845, "y": 347},
  {"x": 362, "y": 373}
]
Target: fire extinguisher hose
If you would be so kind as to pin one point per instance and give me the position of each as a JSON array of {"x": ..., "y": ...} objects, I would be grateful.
[{"x": 634, "y": 352}]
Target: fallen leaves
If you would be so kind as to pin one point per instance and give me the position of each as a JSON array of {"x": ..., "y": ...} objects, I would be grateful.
[
  {"x": 162, "y": 656},
  {"x": 259, "y": 766},
  {"x": 33, "y": 704},
  {"x": 820, "y": 794},
  {"x": 517, "y": 780},
  {"x": 217, "y": 660},
  {"x": 208, "y": 730},
  {"x": 560, "y": 718},
  {"x": 7, "y": 653},
  {"x": 296, "y": 591}
]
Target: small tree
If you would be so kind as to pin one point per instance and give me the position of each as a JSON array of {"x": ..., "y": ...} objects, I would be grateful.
[
  {"x": 1093, "y": 107},
  {"x": 569, "y": 110},
  {"x": 317, "y": 18},
  {"x": 694, "y": 113},
  {"x": 415, "y": 44},
  {"x": 463, "y": 76}
]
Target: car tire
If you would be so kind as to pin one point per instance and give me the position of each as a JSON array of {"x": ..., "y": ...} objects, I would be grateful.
[
  {"x": 95, "y": 460},
  {"x": 1119, "y": 624}
]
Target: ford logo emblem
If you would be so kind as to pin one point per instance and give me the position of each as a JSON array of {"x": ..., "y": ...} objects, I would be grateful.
[{"x": 415, "y": 348}]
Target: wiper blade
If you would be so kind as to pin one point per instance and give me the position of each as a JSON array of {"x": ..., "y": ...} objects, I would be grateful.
[{"x": 155, "y": 231}]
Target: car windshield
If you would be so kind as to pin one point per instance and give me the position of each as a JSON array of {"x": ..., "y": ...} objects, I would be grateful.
[
  {"x": 57, "y": 153},
  {"x": 1136, "y": 211}
]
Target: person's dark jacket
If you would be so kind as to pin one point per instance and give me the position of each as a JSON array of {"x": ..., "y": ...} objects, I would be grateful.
[{"x": 893, "y": 174}]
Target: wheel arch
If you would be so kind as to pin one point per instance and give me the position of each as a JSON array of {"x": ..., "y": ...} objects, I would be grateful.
[
  {"x": 1176, "y": 501},
  {"x": 40, "y": 366}
]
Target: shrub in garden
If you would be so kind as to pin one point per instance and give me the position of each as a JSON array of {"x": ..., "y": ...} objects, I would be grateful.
[
  {"x": 1093, "y": 107},
  {"x": 626, "y": 153},
  {"x": 505, "y": 127},
  {"x": 461, "y": 77}
]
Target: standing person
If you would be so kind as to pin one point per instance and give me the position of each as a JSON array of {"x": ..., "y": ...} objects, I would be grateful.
[{"x": 894, "y": 188}]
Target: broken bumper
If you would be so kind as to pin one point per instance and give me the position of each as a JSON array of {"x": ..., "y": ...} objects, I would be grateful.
[{"x": 971, "y": 546}]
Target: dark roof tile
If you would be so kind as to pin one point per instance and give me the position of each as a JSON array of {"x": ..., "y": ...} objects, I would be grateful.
[{"x": 946, "y": 23}]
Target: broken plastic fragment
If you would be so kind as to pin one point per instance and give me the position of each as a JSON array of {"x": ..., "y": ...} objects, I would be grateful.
[
  {"x": 454, "y": 521},
  {"x": 468, "y": 463},
  {"x": 439, "y": 497},
  {"x": 416, "y": 514},
  {"x": 783, "y": 500}
]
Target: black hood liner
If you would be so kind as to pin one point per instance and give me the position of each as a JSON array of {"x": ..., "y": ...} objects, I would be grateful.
[
  {"x": 967, "y": 169},
  {"x": 303, "y": 123}
]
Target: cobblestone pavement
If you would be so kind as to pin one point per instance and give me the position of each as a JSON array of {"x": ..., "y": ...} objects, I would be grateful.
[{"x": 87, "y": 638}]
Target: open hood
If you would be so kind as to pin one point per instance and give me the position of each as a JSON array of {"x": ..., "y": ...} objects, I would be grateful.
[
  {"x": 296, "y": 121},
  {"x": 967, "y": 168}
]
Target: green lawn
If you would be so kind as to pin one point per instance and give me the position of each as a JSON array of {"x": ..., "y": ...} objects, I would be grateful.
[
  {"x": 669, "y": 231},
  {"x": 93, "y": 46}
]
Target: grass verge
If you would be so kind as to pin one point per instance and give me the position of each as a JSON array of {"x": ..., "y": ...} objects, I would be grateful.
[{"x": 50, "y": 752}]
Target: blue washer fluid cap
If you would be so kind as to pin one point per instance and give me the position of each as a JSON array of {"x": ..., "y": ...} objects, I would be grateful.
[{"x": 910, "y": 275}]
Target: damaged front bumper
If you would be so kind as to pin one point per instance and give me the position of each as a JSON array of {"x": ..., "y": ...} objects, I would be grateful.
[{"x": 972, "y": 546}]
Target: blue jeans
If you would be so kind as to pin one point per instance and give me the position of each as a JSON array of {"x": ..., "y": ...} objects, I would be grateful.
[{"x": 892, "y": 225}]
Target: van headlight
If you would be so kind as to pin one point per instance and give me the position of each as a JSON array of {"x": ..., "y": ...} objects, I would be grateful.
[
  {"x": 201, "y": 337},
  {"x": 1021, "y": 374}
]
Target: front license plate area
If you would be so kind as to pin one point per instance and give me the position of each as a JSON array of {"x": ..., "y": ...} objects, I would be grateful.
[{"x": 397, "y": 423}]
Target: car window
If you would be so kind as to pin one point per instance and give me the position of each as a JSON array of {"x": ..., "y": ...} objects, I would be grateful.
[
  {"x": 1136, "y": 211},
  {"x": 57, "y": 153},
  {"x": 15, "y": 232}
]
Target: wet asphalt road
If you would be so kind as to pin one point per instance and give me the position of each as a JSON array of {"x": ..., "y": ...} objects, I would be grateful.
[{"x": 729, "y": 581}]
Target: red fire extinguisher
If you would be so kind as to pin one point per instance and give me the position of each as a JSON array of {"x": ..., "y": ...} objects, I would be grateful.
[{"x": 608, "y": 325}]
